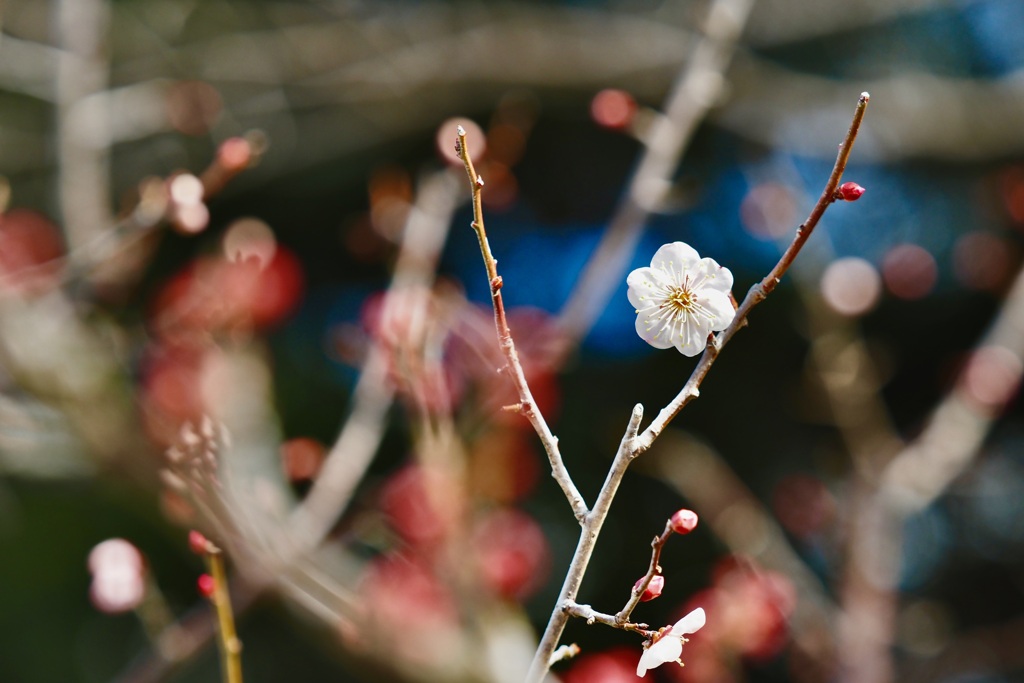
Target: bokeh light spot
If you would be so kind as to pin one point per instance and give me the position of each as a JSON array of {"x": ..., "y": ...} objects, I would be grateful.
[
  {"x": 992, "y": 376},
  {"x": 613, "y": 108},
  {"x": 909, "y": 271},
  {"x": 193, "y": 107},
  {"x": 982, "y": 260},
  {"x": 447, "y": 134},
  {"x": 247, "y": 239},
  {"x": 768, "y": 211},
  {"x": 302, "y": 458},
  {"x": 851, "y": 286}
]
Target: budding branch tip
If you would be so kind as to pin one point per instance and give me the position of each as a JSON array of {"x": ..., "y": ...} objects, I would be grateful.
[{"x": 462, "y": 131}]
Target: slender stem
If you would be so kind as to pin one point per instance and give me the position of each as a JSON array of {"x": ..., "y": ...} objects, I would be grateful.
[
  {"x": 762, "y": 289},
  {"x": 633, "y": 444},
  {"x": 585, "y": 548},
  {"x": 653, "y": 570},
  {"x": 592, "y": 616},
  {"x": 528, "y": 406},
  {"x": 230, "y": 645}
]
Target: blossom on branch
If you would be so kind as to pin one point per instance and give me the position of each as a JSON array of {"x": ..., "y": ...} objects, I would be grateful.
[
  {"x": 668, "y": 645},
  {"x": 680, "y": 299}
]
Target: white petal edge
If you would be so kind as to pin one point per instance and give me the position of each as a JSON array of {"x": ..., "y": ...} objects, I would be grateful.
[
  {"x": 680, "y": 254},
  {"x": 659, "y": 342},
  {"x": 718, "y": 304},
  {"x": 691, "y": 623},
  {"x": 719, "y": 277},
  {"x": 668, "y": 649},
  {"x": 644, "y": 282}
]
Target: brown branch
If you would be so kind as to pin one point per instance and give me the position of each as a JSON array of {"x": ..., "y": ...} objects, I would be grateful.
[
  {"x": 762, "y": 289},
  {"x": 592, "y": 616},
  {"x": 633, "y": 444},
  {"x": 515, "y": 369},
  {"x": 653, "y": 570}
]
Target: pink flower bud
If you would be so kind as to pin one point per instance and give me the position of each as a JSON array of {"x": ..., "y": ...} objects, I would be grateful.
[
  {"x": 197, "y": 543},
  {"x": 205, "y": 585},
  {"x": 684, "y": 521},
  {"x": 653, "y": 589},
  {"x": 849, "y": 192}
]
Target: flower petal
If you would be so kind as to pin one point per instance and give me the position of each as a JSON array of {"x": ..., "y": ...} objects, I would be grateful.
[
  {"x": 654, "y": 329},
  {"x": 717, "y": 277},
  {"x": 674, "y": 258},
  {"x": 720, "y": 307},
  {"x": 693, "y": 336},
  {"x": 667, "y": 649},
  {"x": 645, "y": 285},
  {"x": 691, "y": 623}
]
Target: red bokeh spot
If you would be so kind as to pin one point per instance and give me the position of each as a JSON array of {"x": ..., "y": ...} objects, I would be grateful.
[
  {"x": 613, "y": 108},
  {"x": 992, "y": 376},
  {"x": 909, "y": 271},
  {"x": 193, "y": 107},
  {"x": 983, "y": 260},
  {"x": 419, "y": 504},
  {"x": 617, "y": 665},
  {"x": 216, "y": 295},
  {"x": 512, "y": 553},
  {"x": 803, "y": 505},
  {"x": 234, "y": 154},
  {"x": 30, "y": 245},
  {"x": 302, "y": 458}
]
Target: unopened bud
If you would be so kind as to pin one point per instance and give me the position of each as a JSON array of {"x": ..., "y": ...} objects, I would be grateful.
[
  {"x": 683, "y": 521},
  {"x": 205, "y": 585},
  {"x": 197, "y": 543},
  {"x": 850, "y": 192},
  {"x": 653, "y": 589}
]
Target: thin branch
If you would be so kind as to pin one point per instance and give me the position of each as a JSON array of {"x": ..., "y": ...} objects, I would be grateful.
[
  {"x": 653, "y": 570},
  {"x": 227, "y": 637},
  {"x": 633, "y": 444},
  {"x": 762, "y": 289},
  {"x": 357, "y": 442},
  {"x": 592, "y": 616},
  {"x": 508, "y": 348},
  {"x": 585, "y": 548}
]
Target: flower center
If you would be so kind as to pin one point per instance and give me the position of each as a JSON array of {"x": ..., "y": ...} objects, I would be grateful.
[{"x": 680, "y": 299}]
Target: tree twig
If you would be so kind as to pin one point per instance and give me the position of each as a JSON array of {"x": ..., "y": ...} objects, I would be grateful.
[
  {"x": 654, "y": 569},
  {"x": 528, "y": 406},
  {"x": 762, "y": 289},
  {"x": 633, "y": 444}
]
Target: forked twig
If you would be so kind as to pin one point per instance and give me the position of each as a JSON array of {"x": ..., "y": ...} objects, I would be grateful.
[{"x": 633, "y": 444}]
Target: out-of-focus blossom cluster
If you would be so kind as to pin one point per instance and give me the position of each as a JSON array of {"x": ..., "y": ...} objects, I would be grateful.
[
  {"x": 750, "y": 609},
  {"x": 118, "y": 576}
]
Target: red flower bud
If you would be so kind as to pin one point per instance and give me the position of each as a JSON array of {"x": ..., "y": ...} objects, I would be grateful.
[
  {"x": 653, "y": 589},
  {"x": 849, "y": 192},
  {"x": 684, "y": 521},
  {"x": 197, "y": 543},
  {"x": 205, "y": 585}
]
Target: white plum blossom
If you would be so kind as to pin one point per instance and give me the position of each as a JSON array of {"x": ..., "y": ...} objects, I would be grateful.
[
  {"x": 680, "y": 299},
  {"x": 669, "y": 644}
]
